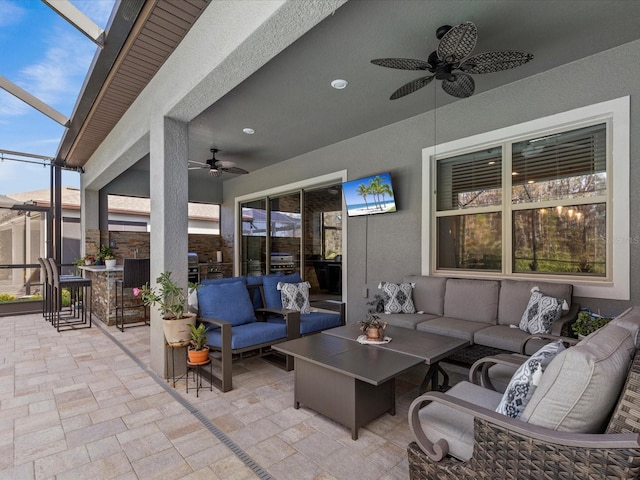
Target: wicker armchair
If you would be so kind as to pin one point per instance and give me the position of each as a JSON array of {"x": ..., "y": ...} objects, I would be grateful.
[{"x": 508, "y": 448}]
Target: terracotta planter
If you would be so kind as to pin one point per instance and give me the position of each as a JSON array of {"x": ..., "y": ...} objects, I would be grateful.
[
  {"x": 376, "y": 333},
  {"x": 198, "y": 356},
  {"x": 177, "y": 330}
]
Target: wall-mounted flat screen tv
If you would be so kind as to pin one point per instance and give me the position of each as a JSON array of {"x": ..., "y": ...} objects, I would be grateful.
[{"x": 369, "y": 195}]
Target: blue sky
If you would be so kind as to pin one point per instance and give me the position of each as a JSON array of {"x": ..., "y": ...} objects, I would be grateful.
[{"x": 48, "y": 57}]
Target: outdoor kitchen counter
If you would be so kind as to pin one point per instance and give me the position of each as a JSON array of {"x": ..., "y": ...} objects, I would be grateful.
[{"x": 103, "y": 286}]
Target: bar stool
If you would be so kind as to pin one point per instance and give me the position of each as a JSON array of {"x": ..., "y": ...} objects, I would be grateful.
[
  {"x": 80, "y": 289},
  {"x": 46, "y": 295},
  {"x": 136, "y": 273}
]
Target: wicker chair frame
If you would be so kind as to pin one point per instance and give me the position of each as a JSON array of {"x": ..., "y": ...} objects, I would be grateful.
[{"x": 508, "y": 448}]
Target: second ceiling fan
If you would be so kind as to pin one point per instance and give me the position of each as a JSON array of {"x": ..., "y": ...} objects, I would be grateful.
[{"x": 217, "y": 167}]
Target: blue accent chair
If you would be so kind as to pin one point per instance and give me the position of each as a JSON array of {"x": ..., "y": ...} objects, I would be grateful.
[
  {"x": 319, "y": 319},
  {"x": 234, "y": 328}
]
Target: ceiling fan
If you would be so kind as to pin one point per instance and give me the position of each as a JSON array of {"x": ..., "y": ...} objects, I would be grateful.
[
  {"x": 448, "y": 62},
  {"x": 217, "y": 167}
]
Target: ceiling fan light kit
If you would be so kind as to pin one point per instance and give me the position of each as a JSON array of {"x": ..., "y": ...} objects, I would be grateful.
[{"x": 451, "y": 63}]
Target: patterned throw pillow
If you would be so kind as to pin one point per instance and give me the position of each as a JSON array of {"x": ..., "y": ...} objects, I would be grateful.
[
  {"x": 541, "y": 312},
  {"x": 397, "y": 297},
  {"x": 295, "y": 296},
  {"x": 526, "y": 379}
]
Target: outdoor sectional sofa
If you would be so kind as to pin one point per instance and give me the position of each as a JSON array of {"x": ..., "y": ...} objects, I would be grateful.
[{"x": 484, "y": 312}]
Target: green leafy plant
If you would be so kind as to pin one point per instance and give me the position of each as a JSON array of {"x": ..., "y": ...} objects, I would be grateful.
[
  {"x": 371, "y": 321},
  {"x": 105, "y": 253},
  {"x": 198, "y": 336},
  {"x": 588, "y": 322},
  {"x": 7, "y": 297},
  {"x": 169, "y": 297}
]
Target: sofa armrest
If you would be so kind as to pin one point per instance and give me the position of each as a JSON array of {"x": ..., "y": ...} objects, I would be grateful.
[
  {"x": 291, "y": 317},
  {"x": 225, "y": 350},
  {"x": 340, "y": 307},
  {"x": 570, "y": 341},
  {"x": 438, "y": 450},
  {"x": 564, "y": 322},
  {"x": 479, "y": 371}
]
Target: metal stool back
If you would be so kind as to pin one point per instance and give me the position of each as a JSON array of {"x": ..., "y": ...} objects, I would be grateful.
[{"x": 136, "y": 273}]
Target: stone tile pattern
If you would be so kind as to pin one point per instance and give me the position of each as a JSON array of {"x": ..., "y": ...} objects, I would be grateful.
[{"x": 73, "y": 405}]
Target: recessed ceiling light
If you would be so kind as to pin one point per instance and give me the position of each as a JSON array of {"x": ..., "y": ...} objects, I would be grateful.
[
  {"x": 339, "y": 84},
  {"x": 249, "y": 131}
]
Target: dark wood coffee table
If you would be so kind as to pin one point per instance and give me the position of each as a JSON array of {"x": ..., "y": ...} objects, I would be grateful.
[{"x": 353, "y": 383}]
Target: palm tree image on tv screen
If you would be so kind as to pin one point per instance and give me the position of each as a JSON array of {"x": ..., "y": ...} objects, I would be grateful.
[{"x": 369, "y": 195}]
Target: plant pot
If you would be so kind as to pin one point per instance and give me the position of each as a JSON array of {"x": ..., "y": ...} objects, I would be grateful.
[
  {"x": 177, "y": 330},
  {"x": 198, "y": 356},
  {"x": 376, "y": 333},
  {"x": 110, "y": 263}
]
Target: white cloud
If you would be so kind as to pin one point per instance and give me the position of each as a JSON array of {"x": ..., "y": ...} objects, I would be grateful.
[
  {"x": 11, "y": 106},
  {"x": 98, "y": 11},
  {"x": 10, "y": 13}
]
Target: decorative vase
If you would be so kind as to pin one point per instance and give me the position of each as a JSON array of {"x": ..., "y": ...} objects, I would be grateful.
[
  {"x": 177, "y": 330},
  {"x": 198, "y": 356},
  {"x": 110, "y": 263}
]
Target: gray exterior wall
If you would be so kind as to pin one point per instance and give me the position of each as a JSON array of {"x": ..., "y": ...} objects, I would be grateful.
[{"x": 387, "y": 247}]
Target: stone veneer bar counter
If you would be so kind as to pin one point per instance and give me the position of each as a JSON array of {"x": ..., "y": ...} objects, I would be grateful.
[{"x": 103, "y": 281}]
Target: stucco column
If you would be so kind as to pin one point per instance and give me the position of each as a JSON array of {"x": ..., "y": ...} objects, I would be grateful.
[
  {"x": 169, "y": 193},
  {"x": 89, "y": 209}
]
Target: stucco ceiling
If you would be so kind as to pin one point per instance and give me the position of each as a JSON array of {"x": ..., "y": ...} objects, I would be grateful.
[{"x": 293, "y": 109}]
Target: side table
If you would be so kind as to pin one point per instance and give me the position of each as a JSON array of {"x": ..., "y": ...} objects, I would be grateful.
[
  {"x": 197, "y": 374},
  {"x": 172, "y": 348}
]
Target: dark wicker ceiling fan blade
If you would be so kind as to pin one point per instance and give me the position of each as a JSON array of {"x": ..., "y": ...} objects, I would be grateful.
[
  {"x": 402, "y": 63},
  {"x": 458, "y": 42},
  {"x": 237, "y": 170},
  {"x": 411, "y": 87},
  {"x": 462, "y": 86},
  {"x": 199, "y": 164},
  {"x": 490, "y": 62}
]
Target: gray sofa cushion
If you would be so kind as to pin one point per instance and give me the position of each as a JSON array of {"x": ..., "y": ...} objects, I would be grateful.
[
  {"x": 406, "y": 320},
  {"x": 473, "y": 300},
  {"x": 442, "y": 422},
  {"x": 630, "y": 319},
  {"x": 452, "y": 327},
  {"x": 580, "y": 387},
  {"x": 428, "y": 293},
  {"x": 502, "y": 336},
  {"x": 515, "y": 295}
]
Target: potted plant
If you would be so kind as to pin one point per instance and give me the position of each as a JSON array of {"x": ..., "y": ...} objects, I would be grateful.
[
  {"x": 104, "y": 253},
  {"x": 89, "y": 259},
  {"x": 373, "y": 327},
  {"x": 171, "y": 301},
  {"x": 588, "y": 323},
  {"x": 198, "y": 350}
]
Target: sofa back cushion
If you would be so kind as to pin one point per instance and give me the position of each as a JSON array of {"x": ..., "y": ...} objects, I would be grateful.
[
  {"x": 630, "y": 319},
  {"x": 226, "y": 301},
  {"x": 580, "y": 387},
  {"x": 270, "y": 282},
  {"x": 473, "y": 300},
  {"x": 428, "y": 293},
  {"x": 515, "y": 295}
]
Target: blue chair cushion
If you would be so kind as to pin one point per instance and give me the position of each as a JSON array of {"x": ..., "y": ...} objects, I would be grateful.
[
  {"x": 249, "y": 334},
  {"x": 226, "y": 301},
  {"x": 218, "y": 281},
  {"x": 256, "y": 298},
  {"x": 272, "y": 295},
  {"x": 313, "y": 322}
]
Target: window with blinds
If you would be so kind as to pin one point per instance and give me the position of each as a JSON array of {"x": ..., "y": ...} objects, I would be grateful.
[{"x": 548, "y": 196}]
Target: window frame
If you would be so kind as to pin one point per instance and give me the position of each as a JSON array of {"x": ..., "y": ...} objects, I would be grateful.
[{"x": 616, "y": 115}]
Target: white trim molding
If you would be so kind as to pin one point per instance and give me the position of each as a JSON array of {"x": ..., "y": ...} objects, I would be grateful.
[{"x": 617, "y": 111}]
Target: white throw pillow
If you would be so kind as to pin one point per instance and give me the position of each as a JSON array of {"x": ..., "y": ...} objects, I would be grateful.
[
  {"x": 542, "y": 310},
  {"x": 295, "y": 296},
  {"x": 397, "y": 297},
  {"x": 526, "y": 379}
]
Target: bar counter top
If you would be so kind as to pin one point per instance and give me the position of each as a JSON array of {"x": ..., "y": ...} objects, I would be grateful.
[{"x": 101, "y": 268}]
